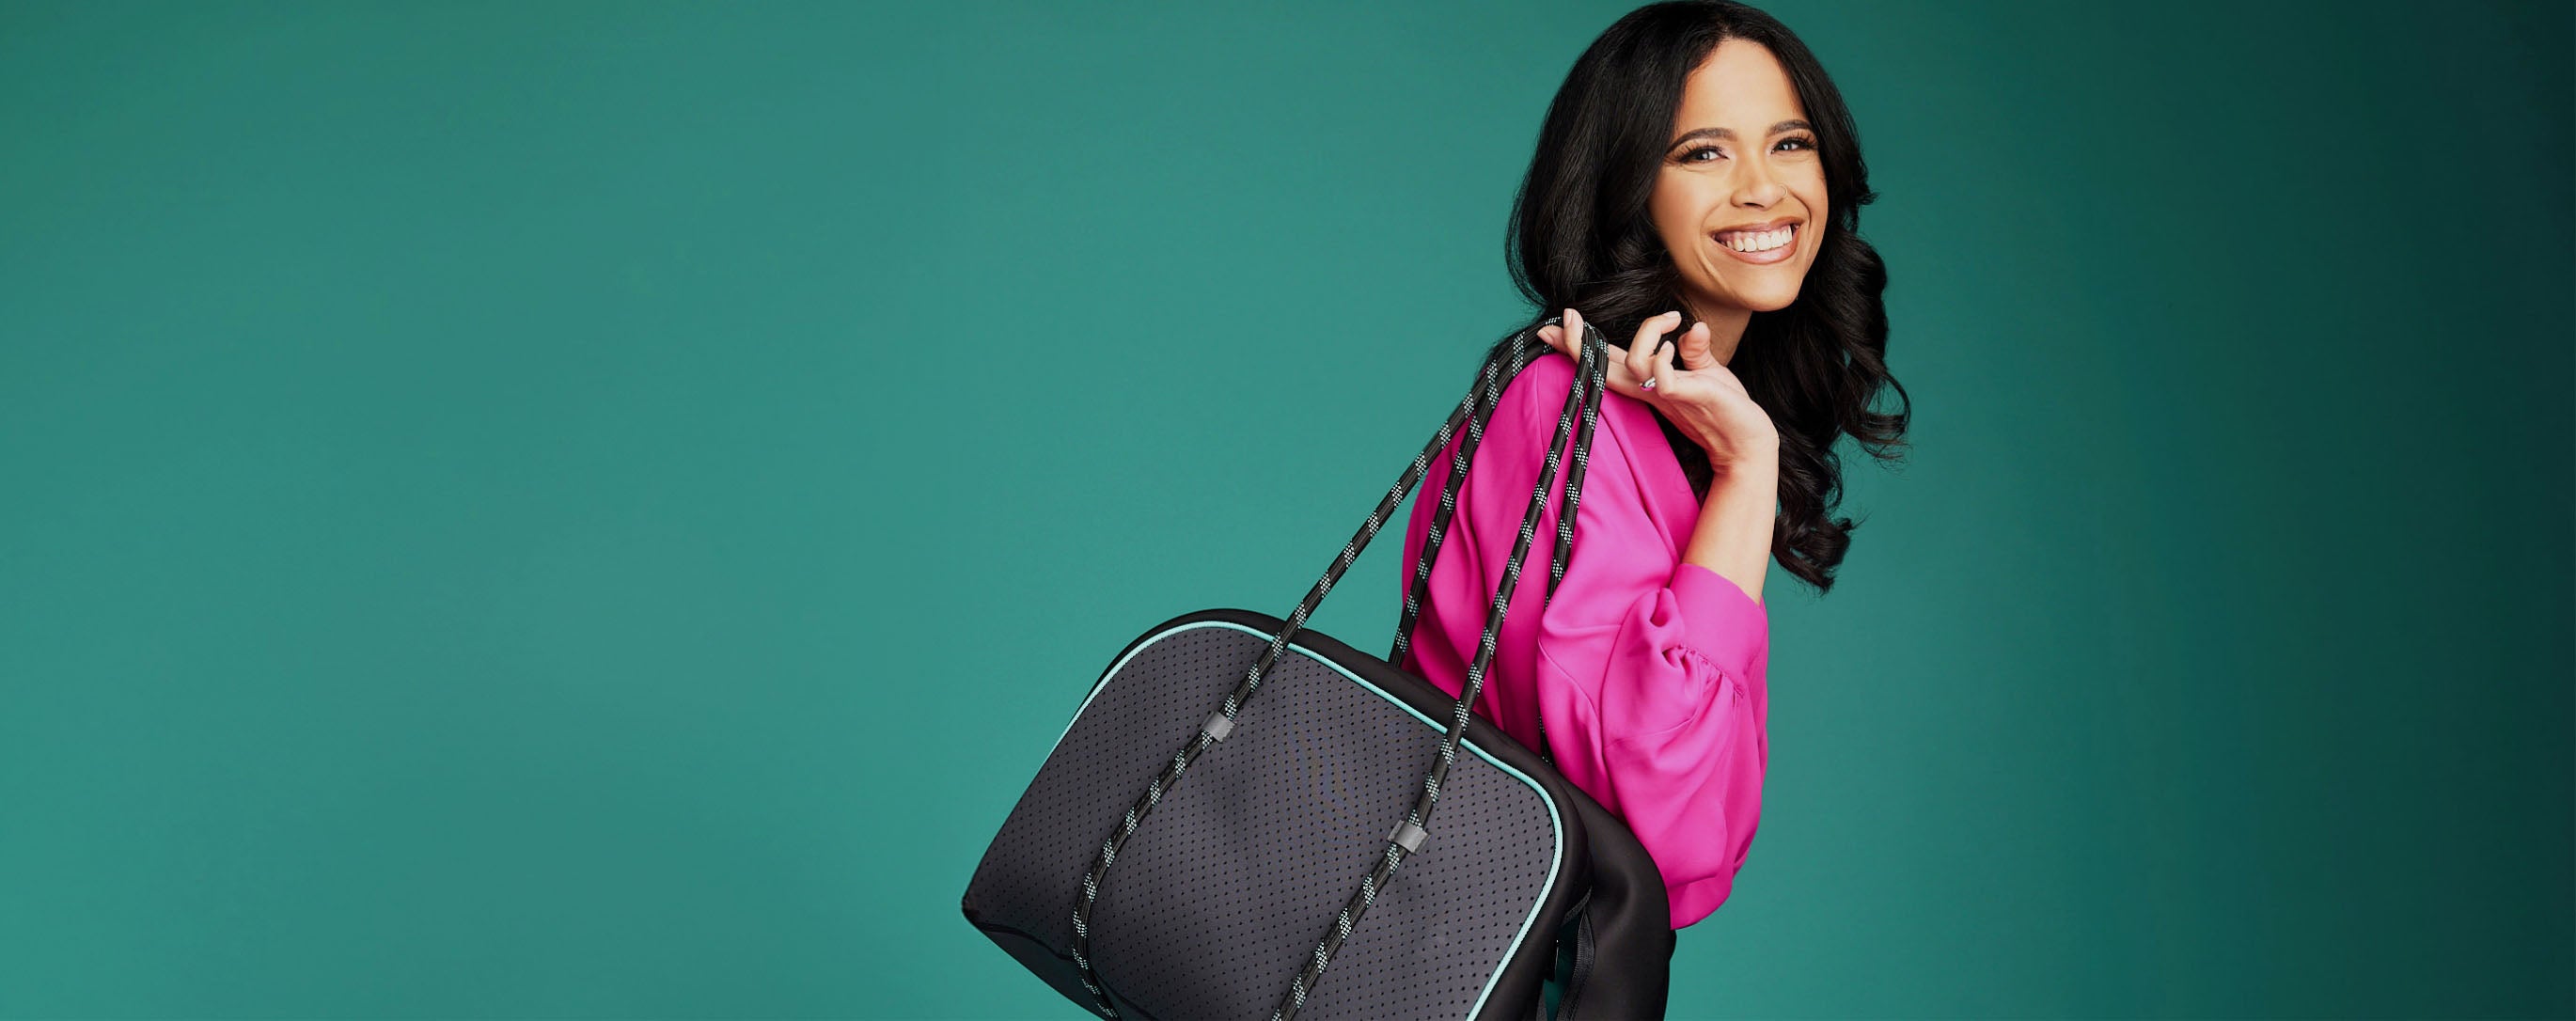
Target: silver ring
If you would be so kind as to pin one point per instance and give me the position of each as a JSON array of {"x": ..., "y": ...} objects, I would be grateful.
[{"x": 1649, "y": 384}]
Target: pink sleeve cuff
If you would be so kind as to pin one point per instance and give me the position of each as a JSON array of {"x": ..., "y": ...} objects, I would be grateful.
[
  {"x": 1721, "y": 622},
  {"x": 1693, "y": 901}
]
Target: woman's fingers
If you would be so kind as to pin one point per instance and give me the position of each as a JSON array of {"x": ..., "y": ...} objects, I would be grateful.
[
  {"x": 1649, "y": 356},
  {"x": 1641, "y": 351},
  {"x": 1664, "y": 368},
  {"x": 1694, "y": 349},
  {"x": 1555, "y": 338},
  {"x": 1655, "y": 353},
  {"x": 1556, "y": 335},
  {"x": 1615, "y": 373}
]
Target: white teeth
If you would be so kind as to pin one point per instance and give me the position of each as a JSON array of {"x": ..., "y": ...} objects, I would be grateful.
[{"x": 1758, "y": 242}]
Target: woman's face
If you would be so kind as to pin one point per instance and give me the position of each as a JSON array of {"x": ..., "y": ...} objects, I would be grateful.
[{"x": 1742, "y": 157}]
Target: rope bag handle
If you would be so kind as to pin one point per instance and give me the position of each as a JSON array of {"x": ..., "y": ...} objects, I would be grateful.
[
  {"x": 1584, "y": 397},
  {"x": 1488, "y": 398}
]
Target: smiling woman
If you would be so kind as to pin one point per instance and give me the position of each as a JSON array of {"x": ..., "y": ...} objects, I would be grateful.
[
  {"x": 1699, "y": 164},
  {"x": 1696, "y": 176}
]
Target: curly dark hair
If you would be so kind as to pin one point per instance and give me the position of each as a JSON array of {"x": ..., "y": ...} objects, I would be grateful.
[{"x": 1581, "y": 235}]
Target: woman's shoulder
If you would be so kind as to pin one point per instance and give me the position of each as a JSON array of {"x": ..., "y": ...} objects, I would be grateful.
[
  {"x": 1534, "y": 401},
  {"x": 1630, "y": 460},
  {"x": 1543, "y": 381}
]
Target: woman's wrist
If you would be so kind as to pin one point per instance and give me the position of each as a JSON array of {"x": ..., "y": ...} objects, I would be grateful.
[
  {"x": 1735, "y": 452},
  {"x": 1733, "y": 537}
]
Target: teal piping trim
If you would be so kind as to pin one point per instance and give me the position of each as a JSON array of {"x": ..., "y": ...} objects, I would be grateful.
[{"x": 1556, "y": 823}]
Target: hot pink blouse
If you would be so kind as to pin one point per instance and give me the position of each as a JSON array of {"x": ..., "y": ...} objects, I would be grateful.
[{"x": 1650, "y": 671}]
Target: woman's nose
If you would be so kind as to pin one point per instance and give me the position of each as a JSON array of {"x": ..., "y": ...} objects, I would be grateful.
[{"x": 1760, "y": 186}]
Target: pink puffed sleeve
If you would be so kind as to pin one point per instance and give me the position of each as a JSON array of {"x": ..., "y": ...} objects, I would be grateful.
[{"x": 1649, "y": 671}]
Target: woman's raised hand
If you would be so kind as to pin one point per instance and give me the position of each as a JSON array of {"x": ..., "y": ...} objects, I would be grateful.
[{"x": 1699, "y": 395}]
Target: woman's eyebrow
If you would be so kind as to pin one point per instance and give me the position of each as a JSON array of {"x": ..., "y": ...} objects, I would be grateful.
[{"x": 1792, "y": 124}]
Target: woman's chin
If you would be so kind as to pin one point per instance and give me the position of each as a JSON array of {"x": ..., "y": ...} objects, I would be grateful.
[
  {"x": 1764, "y": 299},
  {"x": 1777, "y": 302}
]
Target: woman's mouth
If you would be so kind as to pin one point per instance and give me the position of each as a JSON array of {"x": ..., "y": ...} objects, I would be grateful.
[{"x": 1760, "y": 247}]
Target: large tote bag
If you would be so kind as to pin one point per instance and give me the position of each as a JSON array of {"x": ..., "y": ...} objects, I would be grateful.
[{"x": 1249, "y": 819}]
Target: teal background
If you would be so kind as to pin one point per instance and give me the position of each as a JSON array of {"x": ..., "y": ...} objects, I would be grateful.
[{"x": 589, "y": 510}]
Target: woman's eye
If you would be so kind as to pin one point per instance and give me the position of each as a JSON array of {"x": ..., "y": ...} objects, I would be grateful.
[{"x": 1803, "y": 143}]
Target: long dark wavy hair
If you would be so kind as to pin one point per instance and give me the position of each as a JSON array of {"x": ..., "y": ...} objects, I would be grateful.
[{"x": 1582, "y": 235}]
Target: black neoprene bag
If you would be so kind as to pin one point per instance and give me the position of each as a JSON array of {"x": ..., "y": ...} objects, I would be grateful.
[{"x": 1239, "y": 821}]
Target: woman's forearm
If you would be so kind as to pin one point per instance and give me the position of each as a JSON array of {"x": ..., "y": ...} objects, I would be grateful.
[{"x": 1733, "y": 537}]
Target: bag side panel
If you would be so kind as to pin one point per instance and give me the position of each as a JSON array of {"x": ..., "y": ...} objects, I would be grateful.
[
  {"x": 1149, "y": 704},
  {"x": 1629, "y": 920},
  {"x": 1222, "y": 894}
]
